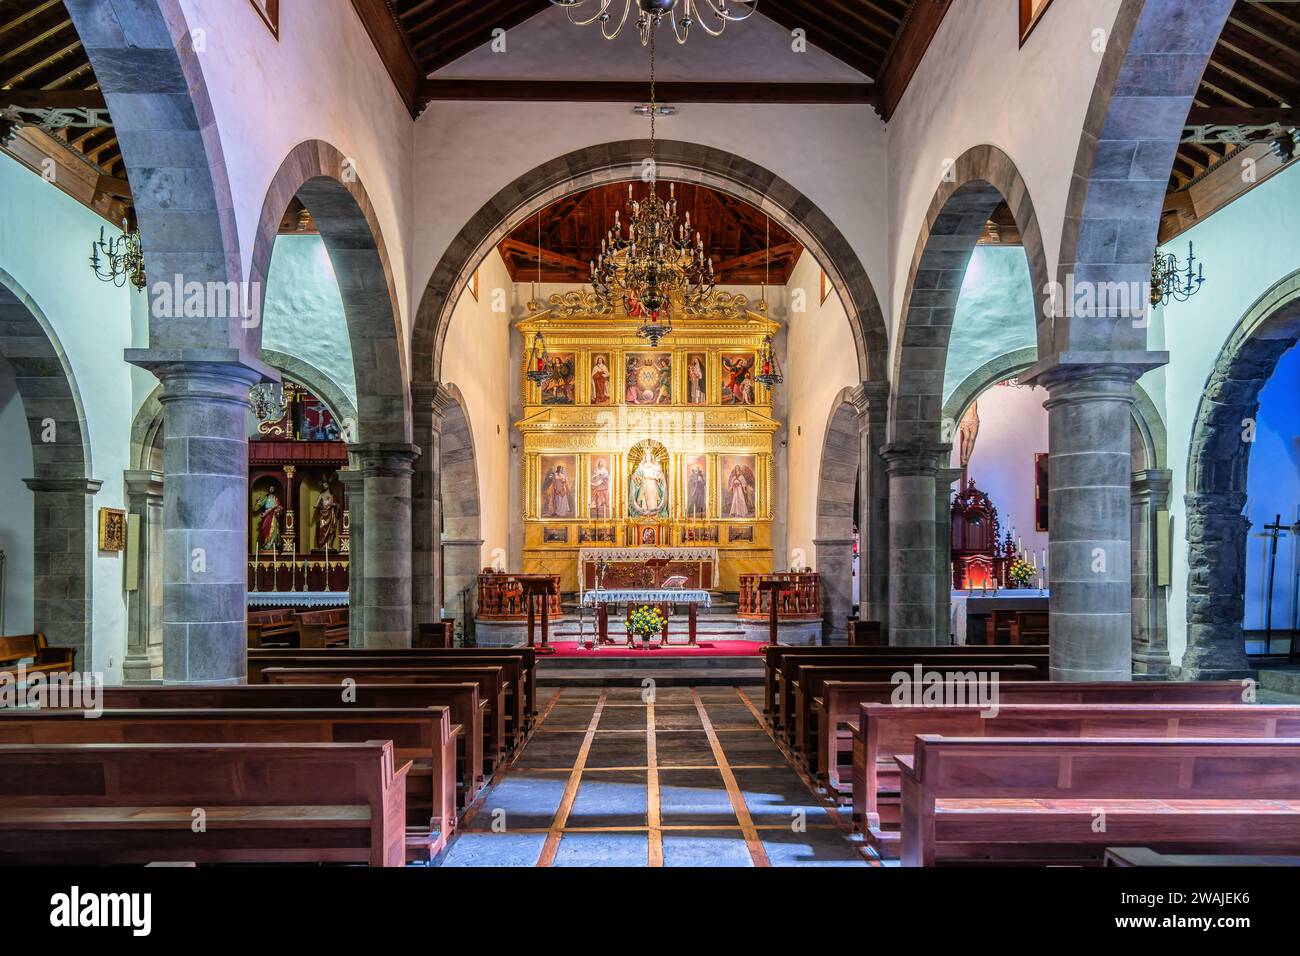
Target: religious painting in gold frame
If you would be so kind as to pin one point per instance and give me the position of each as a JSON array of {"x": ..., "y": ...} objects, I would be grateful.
[
  {"x": 648, "y": 378},
  {"x": 557, "y": 496},
  {"x": 643, "y": 536},
  {"x": 703, "y": 534},
  {"x": 112, "y": 529},
  {"x": 560, "y": 386},
  {"x": 647, "y": 481},
  {"x": 695, "y": 490},
  {"x": 741, "y": 533},
  {"x": 738, "y": 487},
  {"x": 601, "y": 379},
  {"x": 600, "y": 488},
  {"x": 697, "y": 378},
  {"x": 600, "y": 534},
  {"x": 737, "y": 379}
]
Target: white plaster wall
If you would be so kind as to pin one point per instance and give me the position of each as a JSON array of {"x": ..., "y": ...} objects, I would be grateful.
[
  {"x": 322, "y": 80},
  {"x": 478, "y": 349},
  {"x": 995, "y": 313},
  {"x": 820, "y": 363},
  {"x": 976, "y": 85},
  {"x": 1013, "y": 428},
  {"x": 45, "y": 238},
  {"x": 1247, "y": 247}
]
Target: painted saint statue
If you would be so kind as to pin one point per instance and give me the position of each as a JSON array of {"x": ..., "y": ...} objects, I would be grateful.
[
  {"x": 649, "y": 489},
  {"x": 599, "y": 487},
  {"x": 267, "y": 511},
  {"x": 326, "y": 516}
]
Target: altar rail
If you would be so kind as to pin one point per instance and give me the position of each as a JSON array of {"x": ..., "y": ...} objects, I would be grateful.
[
  {"x": 283, "y": 575},
  {"x": 802, "y": 602},
  {"x": 501, "y": 598}
]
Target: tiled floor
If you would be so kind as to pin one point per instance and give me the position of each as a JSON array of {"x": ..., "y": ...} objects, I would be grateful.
[{"x": 689, "y": 778}]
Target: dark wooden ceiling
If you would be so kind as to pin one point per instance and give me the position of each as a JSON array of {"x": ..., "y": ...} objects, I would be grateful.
[
  {"x": 882, "y": 39},
  {"x": 42, "y": 62},
  {"x": 734, "y": 234}
]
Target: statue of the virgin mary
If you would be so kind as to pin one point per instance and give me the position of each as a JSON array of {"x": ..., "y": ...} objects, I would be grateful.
[{"x": 649, "y": 488}]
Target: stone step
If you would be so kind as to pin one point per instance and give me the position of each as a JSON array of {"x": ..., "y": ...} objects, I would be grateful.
[
  {"x": 1281, "y": 680},
  {"x": 651, "y": 661},
  {"x": 663, "y": 677}
]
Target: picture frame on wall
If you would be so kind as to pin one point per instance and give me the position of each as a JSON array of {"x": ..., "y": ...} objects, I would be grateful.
[
  {"x": 555, "y": 535},
  {"x": 269, "y": 11},
  {"x": 112, "y": 529},
  {"x": 1041, "y": 487}
]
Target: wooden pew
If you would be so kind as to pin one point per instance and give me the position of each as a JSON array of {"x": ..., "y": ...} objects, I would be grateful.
[
  {"x": 773, "y": 654},
  {"x": 957, "y": 795},
  {"x": 865, "y": 633},
  {"x": 424, "y": 736},
  {"x": 278, "y": 625},
  {"x": 324, "y": 628},
  {"x": 84, "y": 804},
  {"x": 807, "y": 683},
  {"x": 839, "y": 724},
  {"x": 889, "y": 732},
  {"x": 278, "y": 656},
  {"x": 465, "y": 708},
  {"x": 1145, "y": 856},
  {"x": 40, "y": 657},
  {"x": 792, "y": 665},
  {"x": 491, "y": 683},
  {"x": 1030, "y": 627}
]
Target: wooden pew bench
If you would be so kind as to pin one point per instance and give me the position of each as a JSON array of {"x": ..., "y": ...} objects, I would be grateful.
[
  {"x": 520, "y": 670},
  {"x": 79, "y": 804},
  {"x": 1038, "y": 799},
  {"x": 490, "y": 680},
  {"x": 277, "y": 625},
  {"x": 425, "y": 737},
  {"x": 794, "y": 706},
  {"x": 464, "y": 706},
  {"x": 35, "y": 655},
  {"x": 325, "y": 628},
  {"x": 839, "y": 725},
  {"x": 889, "y": 731}
]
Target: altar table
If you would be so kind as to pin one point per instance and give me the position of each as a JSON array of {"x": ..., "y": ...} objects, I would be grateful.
[
  {"x": 628, "y": 568},
  {"x": 657, "y": 597}
]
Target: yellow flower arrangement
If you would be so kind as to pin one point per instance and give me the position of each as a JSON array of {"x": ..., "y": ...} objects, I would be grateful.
[{"x": 646, "y": 621}]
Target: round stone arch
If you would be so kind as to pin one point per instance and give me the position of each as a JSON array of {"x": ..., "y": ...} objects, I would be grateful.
[
  {"x": 62, "y": 487},
  {"x": 327, "y": 183},
  {"x": 460, "y": 509},
  {"x": 1217, "y": 464},
  {"x": 620, "y": 161},
  {"x": 1155, "y": 56},
  {"x": 838, "y": 483},
  {"x": 976, "y": 184},
  {"x": 143, "y": 55}
]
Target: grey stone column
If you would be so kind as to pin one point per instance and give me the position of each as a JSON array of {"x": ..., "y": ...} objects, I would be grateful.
[
  {"x": 871, "y": 400},
  {"x": 354, "y": 485},
  {"x": 428, "y": 403},
  {"x": 913, "y": 548},
  {"x": 63, "y": 548},
  {"x": 1216, "y": 587},
  {"x": 1150, "y": 499},
  {"x": 144, "y": 630},
  {"x": 835, "y": 566},
  {"x": 385, "y": 610},
  {"x": 462, "y": 560},
  {"x": 943, "y": 480},
  {"x": 205, "y": 519},
  {"x": 1089, "y": 430}
]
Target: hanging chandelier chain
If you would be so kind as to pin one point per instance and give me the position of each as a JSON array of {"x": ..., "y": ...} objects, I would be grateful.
[{"x": 654, "y": 108}]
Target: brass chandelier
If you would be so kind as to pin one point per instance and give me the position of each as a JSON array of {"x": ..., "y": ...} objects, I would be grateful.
[
  {"x": 712, "y": 15},
  {"x": 655, "y": 257}
]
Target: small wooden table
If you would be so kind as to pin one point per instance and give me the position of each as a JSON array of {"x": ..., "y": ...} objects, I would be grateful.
[
  {"x": 663, "y": 598},
  {"x": 540, "y": 586},
  {"x": 776, "y": 588}
]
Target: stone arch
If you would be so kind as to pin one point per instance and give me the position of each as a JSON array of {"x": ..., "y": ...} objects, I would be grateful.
[
  {"x": 990, "y": 373},
  {"x": 147, "y": 434},
  {"x": 1217, "y": 464},
  {"x": 144, "y": 59},
  {"x": 321, "y": 384},
  {"x": 837, "y": 514},
  {"x": 61, "y": 485},
  {"x": 1155, "y": 55},
  {"x": 327, "y": 184},
  {"x": 977, "y": 183},
  {"x": 618, "y": 161},
  {"x": 459, "y": 505}
]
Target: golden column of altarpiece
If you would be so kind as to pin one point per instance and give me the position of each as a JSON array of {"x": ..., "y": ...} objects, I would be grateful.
[{"x": 647, "y": 451}]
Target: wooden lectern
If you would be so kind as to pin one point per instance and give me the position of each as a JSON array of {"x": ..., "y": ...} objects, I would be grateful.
[
  {"x": 541, "y": 587},
  {"x": 775, "y": 588}
]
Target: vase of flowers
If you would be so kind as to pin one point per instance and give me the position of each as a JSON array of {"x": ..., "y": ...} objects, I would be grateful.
[
  {"x": 1020, "y": 574},
  {"x": 645, "y": 622}
]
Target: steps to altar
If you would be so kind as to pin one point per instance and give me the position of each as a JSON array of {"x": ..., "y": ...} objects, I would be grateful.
[
  {"x": 605, "y": 669},
  {"x": 711, "y": 627}
]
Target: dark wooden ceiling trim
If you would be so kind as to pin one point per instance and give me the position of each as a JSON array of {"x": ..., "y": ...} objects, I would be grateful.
[
  {"x": 1243, "y": 116},
  {"x": 53, "y": 99},
  {"x": 918, "y": 30},
  {"x": 563, "y": 91},
  {"x": 381, "y": 23}
]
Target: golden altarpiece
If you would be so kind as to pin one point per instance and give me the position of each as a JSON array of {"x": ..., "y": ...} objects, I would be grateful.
[{"x": 633, "y": 452}]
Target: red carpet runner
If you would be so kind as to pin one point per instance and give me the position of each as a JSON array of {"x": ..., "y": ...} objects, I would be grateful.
[{"x": 705, "y": 649}]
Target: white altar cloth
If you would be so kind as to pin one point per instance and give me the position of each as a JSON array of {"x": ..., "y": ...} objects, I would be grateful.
[{"x": 647, "y": 596}]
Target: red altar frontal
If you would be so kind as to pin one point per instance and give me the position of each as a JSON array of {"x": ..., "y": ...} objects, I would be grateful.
[{"x": 617, "y": 568}]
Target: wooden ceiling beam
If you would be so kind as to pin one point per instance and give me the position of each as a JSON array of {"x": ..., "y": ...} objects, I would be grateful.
[
  {"x": 29, "y": 14},
  {"x": 1243, "y": 116},
  {"x": 565, "y": 91},
  {"x": 53, "y": 99},
  {"x": 923, "y": 20},
  {"x": 391, "y": 45}
]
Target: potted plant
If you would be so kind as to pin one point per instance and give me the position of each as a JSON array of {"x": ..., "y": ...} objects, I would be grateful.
[{"x": 645, "y": 622}]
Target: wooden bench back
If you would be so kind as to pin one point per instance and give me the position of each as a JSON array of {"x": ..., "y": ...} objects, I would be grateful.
[
  {"x": 44, "y": 659},
  {"x": 201, "y": 775},
  {"x": 333, "y": 616}
]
